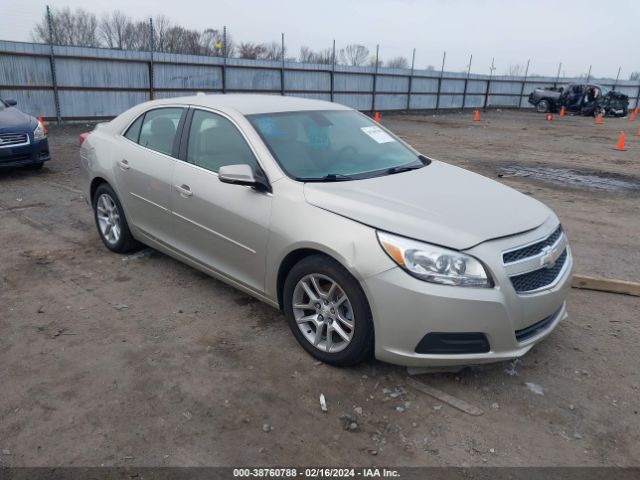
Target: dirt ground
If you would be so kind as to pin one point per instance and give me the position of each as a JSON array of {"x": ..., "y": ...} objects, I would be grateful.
[{"x": 140, "y": 360}]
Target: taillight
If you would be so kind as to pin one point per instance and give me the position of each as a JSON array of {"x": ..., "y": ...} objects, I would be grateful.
[{"x": 83, "y": 137}]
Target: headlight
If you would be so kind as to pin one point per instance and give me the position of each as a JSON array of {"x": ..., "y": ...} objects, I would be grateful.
[
  {"x": 435, "y": 264},
  {"x": 39, "y": 133}
]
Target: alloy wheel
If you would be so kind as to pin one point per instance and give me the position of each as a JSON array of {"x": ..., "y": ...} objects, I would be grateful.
[
  {"x": 108, "y": 219},
  {"x": 323, "y": 313}
]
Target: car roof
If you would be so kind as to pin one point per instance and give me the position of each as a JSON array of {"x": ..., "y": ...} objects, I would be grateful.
[{"x": 248, "y": 104}]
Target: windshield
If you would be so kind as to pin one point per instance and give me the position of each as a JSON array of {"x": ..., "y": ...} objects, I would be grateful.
[{"x": 332, "y": 145}]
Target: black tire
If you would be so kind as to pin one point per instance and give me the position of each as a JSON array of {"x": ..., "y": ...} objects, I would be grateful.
[
  {"x": 36, "y": 166},
  {"x": 125, "y": 243},
  {"x": 361, "y": 345},
  {"x": 543, "y": 106}
]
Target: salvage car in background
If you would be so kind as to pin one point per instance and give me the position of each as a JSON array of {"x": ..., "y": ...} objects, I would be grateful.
[
  {"x": 23, "y": 138},
  {"x": 367, "y": 245},
  {"x": 589, "y": 100}
]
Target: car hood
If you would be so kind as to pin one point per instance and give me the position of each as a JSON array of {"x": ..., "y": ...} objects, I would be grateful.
[
  {"x": 439, "y": 204},
  {"x": 13, "y": 120}
]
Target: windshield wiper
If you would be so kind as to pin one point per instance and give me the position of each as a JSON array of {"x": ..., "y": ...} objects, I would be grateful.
[
  {"x": 402, "y": 168},
  {"x": 330, "y": 177}
]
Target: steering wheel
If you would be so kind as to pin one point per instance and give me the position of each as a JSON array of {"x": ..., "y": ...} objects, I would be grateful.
[{"x": 348, "y": 153}]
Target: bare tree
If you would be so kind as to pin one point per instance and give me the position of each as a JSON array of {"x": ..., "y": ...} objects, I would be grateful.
[
  {"x": 77, "y": 28},
  {"x": 273, "y": 51},
  {"x": 430, "y": 67},
  {"x": 398, "y": 62},
  {"x": 514, "y": 70},
  {"x": 634, "y": 76},
  {"x": 251, "y": 50},
  {"x": 309, "y": 56},
  {"x": 117, "y": 30},
  {"x": 354, "y": 55}
]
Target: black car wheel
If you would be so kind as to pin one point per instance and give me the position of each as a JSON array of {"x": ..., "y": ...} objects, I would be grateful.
[
  {"x": 111, "y": 221},
  {"x": 328, "y": 312},
  {"x": 542, "y": 106}
]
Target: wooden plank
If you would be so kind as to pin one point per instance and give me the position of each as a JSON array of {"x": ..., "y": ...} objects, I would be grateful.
[
  {"x": 445, "y": 397},
  {"x": 606, "y": 285}
]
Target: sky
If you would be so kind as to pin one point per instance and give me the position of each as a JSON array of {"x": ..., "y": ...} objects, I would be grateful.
[{"x": 576, "y": 33}]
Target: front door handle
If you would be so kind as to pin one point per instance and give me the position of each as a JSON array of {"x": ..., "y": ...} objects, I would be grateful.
[
  {"x": 184, "y": 191},
  {"x": 124, "y": 165}
]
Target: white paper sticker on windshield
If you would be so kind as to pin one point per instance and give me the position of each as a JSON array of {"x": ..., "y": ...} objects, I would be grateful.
[{"x": 378, "y": 134}]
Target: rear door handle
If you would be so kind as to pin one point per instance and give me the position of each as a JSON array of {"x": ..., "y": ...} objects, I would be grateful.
[
  {"x": 124, "y": 165},
  {"x": 184, "y": 190}
]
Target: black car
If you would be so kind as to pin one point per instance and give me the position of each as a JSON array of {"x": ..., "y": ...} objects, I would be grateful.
[
  {"x": 23, "y": 138},
  {"x": 582, "y": 99}
]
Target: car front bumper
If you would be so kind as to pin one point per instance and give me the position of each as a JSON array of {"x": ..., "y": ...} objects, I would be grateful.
[
  {"x": 33, "y": 153},
  {"x": 406, "y": 309}
]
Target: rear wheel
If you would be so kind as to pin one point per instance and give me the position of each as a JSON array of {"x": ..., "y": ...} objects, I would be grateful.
[
  {"x": 111, "y": 221},
  {"x": 543, "y": 106},
  {"x": 328, "y": 312}
]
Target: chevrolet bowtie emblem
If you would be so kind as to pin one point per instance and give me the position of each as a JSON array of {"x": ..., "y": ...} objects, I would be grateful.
[{"x": 548, "y": 259}]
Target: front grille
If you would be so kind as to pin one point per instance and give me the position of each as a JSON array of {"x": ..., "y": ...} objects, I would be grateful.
[
  {"x": 531, "y": 250},
  {"x": 536, "y": 328},
  {"x": 8, "y": 139},
  {"x": 539, "y": 278},
  {"x": 14, "y": 158}
]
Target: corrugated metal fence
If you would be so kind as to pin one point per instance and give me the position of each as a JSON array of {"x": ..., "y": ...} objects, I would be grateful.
[{"x": 76, "y": 83}]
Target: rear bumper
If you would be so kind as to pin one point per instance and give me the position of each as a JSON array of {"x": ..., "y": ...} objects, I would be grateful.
[{"x": 34, "y": 153}]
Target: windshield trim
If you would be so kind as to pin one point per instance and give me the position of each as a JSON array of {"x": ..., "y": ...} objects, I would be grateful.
[{"x": 331, "y": 177}]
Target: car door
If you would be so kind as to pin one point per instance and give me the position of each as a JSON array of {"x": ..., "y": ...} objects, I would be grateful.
[
  {"x": 574, "y": 98},
  {"x": 222, "y": 226},
  {"x": 144, "y": 170}
]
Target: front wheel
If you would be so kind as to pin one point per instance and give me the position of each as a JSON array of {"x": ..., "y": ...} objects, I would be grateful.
[
  {"x": 111, "y": 221},
  {"x": 542, "y": 106},
  {"x": 328, "y": 312}
]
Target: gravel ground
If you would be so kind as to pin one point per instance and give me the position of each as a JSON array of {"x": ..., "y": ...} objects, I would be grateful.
[{"x": 139, "y": 360}]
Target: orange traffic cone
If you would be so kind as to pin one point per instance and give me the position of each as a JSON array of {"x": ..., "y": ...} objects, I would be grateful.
[
  {"x": 549, "y": 117},
  {"x": 632, "y": 117},
  {"x": 376, "y": 117},
  {"x": 638, "y": 132},
  {"x": 635, "y": 110},
  {"x": 620, "y": 143},
  {"x": 599, "y": 119},
  {"x": 562, "y": 111},
  {"x": 44, "y": 127},
  {"x": 476, "y": 115}
]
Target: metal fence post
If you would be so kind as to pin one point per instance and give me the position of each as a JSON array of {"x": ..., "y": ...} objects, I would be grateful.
[
  {"x": 555, "y": 84},
  {"x": 486, "y": 92},
  {"x": 413, "y": 64},
  {"x": 375, "y": 81},
  {"x": 466, "y": 82},
  {"x": 589, "y": 74},
  {"x": 444, "y": 56},
  {"x": 282, "y": 69},
  {"x": 224, "y": 59},
  {"x": 524, "y": 81},
  {"x": 151, "y": 48},
  {"x": 333, "y": 68},
  {"x": 52, "y": 63},
  {"x": 615, "y": 84}
]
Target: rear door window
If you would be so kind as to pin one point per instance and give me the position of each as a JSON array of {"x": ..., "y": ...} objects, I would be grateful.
[
  {"x": 159, "y": 128},
  {"x": 133, "y": 133}
]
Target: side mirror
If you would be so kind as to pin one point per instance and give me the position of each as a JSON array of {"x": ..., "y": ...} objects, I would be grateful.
[
  {"x": 11, "y": 102},
  {"x": 242, "y": 175}
]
